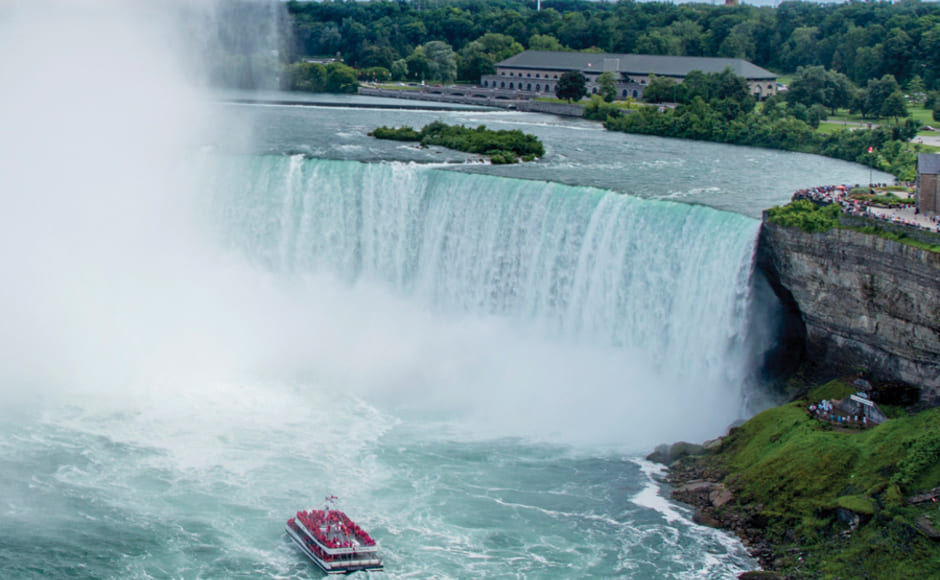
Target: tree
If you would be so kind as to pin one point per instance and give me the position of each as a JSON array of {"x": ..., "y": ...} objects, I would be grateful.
[
  {"x": 418, "y": 64},
  {"x": 442, "y": 61},
  {"x": 608, "y": 86},
  {"x": 305, "y": 76},
  {"x": 545, "y": 42},
  {"x": 815, "y": 85},
  {"x": 916, "y": 89},
  {"x": 478, "y": 58},
  {"x": 660, "y": 90},
  {"x": 572, "y": 86},
  {"x": 341, "y": 78},
  {"x": 894, "y": 106},
  {"x": 399, "y": 70}
]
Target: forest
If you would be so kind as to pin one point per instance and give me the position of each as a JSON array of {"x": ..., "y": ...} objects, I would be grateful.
[{"x": 862, "y": 40}]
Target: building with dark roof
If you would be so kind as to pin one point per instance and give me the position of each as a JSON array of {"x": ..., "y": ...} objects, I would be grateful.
[
  {"x": 537, "y": 72},
  {"x": 928, "y": 183}
]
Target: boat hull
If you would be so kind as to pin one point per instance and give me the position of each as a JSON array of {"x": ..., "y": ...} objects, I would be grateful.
[{"x": 334, "y": 567}]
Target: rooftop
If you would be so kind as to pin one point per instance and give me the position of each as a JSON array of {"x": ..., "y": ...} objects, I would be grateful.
[
  {"x": 636, "y": 64},
  {"x": 928, "y": 163}
]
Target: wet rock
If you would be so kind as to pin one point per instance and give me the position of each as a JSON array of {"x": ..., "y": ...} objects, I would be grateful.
[
  {"x": 659, "y": 455},
  {"x": 704, "y": 518},
  {"x": 670, "y": 454},
  {"x": 762, "y": 575},
  {"x": 848, "y": 517},
  {"x": 684, "y": 449},
  {"x": 924, "y": 526},
  {"x": 720, "y": 495},
  {"x": 713, "y": 444}
]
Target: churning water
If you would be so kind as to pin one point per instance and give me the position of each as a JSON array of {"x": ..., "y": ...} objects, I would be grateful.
[{"x": 216, "y": 315}]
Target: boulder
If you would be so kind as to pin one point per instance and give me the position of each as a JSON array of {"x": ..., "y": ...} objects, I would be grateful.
[
  {"x": 925, "y": 527},
  {"x": 720, "y": 495}
]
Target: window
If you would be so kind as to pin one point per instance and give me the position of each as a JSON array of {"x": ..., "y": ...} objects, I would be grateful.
[
  {"x": 538, "y": 88},
  {"x": 502, "y": 85},
  {"x": 486, "y": 84},
  {"x": 556, "y": 77},
  {"x": 635, "y": 94},
  {"x": 528, "y": 75},
  {"x": 511, "y": 86},
  {"x": 528, "y": 87}
]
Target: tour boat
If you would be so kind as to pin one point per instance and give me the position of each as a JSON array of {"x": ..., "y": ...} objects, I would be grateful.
[{"x": 333, "y": 541}]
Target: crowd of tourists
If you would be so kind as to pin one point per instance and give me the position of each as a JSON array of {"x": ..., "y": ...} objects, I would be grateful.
[
  {"x": 334, "y": 529},
  {"x": 824, "y": 410},
  {"x": 829, "y": 194}
]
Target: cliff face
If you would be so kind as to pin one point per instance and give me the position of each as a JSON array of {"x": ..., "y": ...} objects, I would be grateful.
[{"x": 866, "y": 302}]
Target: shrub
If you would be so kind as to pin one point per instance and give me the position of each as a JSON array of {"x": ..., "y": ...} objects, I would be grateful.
[{"x": 806, "y": 215}]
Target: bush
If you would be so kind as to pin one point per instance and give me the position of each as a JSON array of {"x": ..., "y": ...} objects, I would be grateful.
[
  {"x": 392, "y": 134},
  {"x": 599, "y": 110},
  {"x": 806, "y": 215}
]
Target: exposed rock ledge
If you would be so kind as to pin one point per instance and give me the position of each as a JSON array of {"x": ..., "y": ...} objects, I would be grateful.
[{"x": 865, "y": 302}]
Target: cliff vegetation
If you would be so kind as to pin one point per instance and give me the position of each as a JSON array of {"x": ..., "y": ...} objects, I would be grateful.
[
  {"x": 500, "y": 146},
  {"x": 814, "y": 500},
  {"x": 813, "y": 218}
]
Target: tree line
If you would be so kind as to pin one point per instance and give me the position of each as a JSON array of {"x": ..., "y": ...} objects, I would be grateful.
[
  {"x": 718, "y": 107},
  {"x": 861, "y": 40}
]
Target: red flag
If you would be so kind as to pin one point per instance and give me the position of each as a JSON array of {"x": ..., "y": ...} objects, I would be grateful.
[{"x": 870, "y": 149}]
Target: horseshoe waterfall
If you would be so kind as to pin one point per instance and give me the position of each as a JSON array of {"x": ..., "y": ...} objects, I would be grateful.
[{"x": 217, "y": 314}]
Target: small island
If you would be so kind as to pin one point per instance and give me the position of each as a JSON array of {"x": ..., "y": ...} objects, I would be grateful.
[{"x": 502, "y": 147}]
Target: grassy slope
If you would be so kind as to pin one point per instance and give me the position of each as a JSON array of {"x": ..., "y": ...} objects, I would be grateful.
[{"x": 798, "y": 471}]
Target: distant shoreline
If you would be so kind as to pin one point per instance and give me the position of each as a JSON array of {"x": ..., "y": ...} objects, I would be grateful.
[{"x": 299, "y": 103}]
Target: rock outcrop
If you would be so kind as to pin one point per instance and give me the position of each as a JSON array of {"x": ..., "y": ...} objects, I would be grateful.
[{"x": 867, "y": 303}]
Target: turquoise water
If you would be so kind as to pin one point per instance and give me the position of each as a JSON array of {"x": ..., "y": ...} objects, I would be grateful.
[{"x": 216, "y": 315}]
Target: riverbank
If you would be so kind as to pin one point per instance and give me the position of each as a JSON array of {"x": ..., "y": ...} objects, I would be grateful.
[
  {"x": 479, "y": 97},
  {"x": 812, "y": 500}
]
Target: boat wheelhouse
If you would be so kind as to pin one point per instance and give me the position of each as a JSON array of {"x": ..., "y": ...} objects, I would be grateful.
[{"x": 334, "y": 542}]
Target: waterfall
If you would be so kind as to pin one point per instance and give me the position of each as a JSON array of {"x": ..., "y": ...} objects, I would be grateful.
[{"x": 662, "y": 288}]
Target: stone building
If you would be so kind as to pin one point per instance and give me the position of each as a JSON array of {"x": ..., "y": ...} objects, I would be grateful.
[
  {"x": 928, "y": 183},
  {"x": 536, "y": 72}
]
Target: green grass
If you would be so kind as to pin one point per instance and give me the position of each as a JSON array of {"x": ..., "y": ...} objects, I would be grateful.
[
  {"x": 798, "y": 472},
  {"x": 922, "y": 115},
  {"x": 900, "y": 238},
  {"x": 828, "y": 127},
  {"x": 396, "y": 87}
]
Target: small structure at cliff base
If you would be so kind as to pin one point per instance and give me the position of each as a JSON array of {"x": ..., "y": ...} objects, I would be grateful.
[
  {"x": 861, "y": 405},
  {"x": 856, "y": 410}
]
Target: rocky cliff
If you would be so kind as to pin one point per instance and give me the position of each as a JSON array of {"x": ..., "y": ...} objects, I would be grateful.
[{"x": 865, "y": 302}]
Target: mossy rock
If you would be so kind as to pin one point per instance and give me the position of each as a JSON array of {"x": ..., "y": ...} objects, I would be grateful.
[
  {"x": 859, "y": 504},
  {"x": 833, "y": 390}
]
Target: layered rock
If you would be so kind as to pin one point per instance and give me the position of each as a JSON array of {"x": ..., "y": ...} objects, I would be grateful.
[{"x": 865, "y": 302}]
